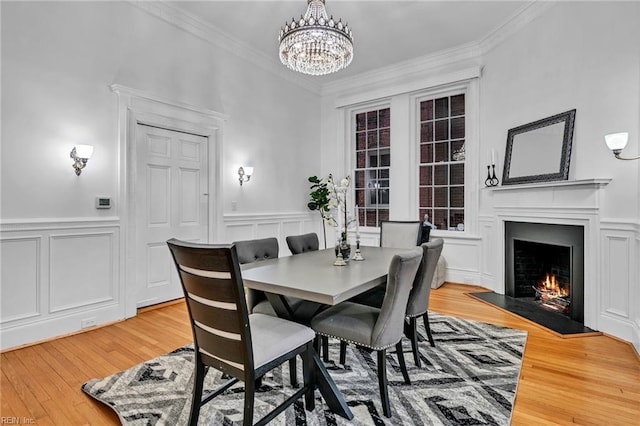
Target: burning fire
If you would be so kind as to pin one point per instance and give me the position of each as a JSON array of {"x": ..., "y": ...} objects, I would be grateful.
[
  {"x": 552, "y": 295},
  {"x": 550, "y": 287}
]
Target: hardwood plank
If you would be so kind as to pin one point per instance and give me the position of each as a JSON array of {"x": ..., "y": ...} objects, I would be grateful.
[{"x": 588, "y": 381}]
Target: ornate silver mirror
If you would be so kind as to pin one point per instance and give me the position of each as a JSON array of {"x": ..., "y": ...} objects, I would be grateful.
[{"x": 539, "y": 151}]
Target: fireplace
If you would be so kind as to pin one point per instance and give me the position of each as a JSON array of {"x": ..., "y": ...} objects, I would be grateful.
[{"x": 544, "y": 266}]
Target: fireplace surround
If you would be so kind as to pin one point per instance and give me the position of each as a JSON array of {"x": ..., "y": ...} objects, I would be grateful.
[
  {"x": 539, "y": 254},
  {"x": 572, "y": 202}
]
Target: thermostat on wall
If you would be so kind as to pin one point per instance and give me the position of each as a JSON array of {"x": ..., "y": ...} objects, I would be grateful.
[{"x": 103, "y": 203}]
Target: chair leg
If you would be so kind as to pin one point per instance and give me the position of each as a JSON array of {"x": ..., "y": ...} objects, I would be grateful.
[
  {"x": 293, "y": 372},
  {"x": 343, "y": 352},
  {"x": 425, "y": 317},
  {"x": 382, "y": 381},
  {"x": 414, "y": 340},
  {"x": 249, "y": 395},
  {"x": 308, "y": 375},
  {"x": 403, "y": 366},
  {"x": 325, "y": 348},
  {"x": 196, "y": 403}
]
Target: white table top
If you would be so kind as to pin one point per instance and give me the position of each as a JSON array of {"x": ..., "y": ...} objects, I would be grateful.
[{"x": 312, "y": 275}]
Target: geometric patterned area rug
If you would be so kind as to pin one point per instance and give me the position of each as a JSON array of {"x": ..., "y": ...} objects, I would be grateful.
[{"x": 469, "y": 378}]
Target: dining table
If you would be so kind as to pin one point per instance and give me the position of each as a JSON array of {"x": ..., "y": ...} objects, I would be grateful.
[{"x": 312, "y": 276}]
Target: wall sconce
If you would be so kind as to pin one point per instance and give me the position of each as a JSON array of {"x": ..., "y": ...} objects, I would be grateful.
[
  {"x": 80, "y": 155},
  {"x": 244, "y": 174},
  {"x": 616, "y": 143}
]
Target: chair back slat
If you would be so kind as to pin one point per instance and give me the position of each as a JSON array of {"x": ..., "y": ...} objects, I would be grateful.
[
  {"x": 218, "y": 288},
  {"x": 225, "y": 350},
  {"x": 402, "y": 271},
  {"x": 216, "y": 316},
  {"x": 212, "y": 284},
  {"x": 419, "y": 297}
]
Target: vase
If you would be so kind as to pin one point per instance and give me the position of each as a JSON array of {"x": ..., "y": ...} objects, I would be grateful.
[{"x": 345, "y": 249}]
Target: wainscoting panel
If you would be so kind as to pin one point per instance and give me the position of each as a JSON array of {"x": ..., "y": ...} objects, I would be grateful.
[
  {"x": 82, "y": 269},
  {"x": 488, "y": 254},
  {"x": 239, "y": 226},
  {"x": 266, "y": 230},
  {"x": 615, "y": 286},
  {"x": 58, "y": 277},
  {"x": 619, "y": 287},
  {"x": 21, "y": 280},
  {"x": 462, "y": 256}
]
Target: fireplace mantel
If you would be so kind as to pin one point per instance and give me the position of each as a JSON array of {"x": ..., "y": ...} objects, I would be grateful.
[
  {"x": 595, "y": 183},
  {"x": 573, "y": 202}
]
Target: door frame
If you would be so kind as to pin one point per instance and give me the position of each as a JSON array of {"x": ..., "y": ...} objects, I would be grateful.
[{"x": 138, "y": 107}]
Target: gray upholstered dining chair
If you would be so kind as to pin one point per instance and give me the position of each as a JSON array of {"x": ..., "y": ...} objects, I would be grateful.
[
  {"x": 400, "y": 234},
  {"x": 257, "y": 250},
  {"x": 376, "y": 328},
  {"x": 303, "y": 243},
  {"x": 228, "y": 338},
  {"x": 418, "y": 303}
]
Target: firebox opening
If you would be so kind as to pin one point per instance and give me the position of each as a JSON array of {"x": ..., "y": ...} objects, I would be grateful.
[
  {"x": 544, "y": 267},
  {"x": 542, "y": 274}
]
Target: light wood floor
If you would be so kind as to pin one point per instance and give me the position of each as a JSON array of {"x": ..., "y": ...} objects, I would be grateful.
[{"x": 586, "y": 381}]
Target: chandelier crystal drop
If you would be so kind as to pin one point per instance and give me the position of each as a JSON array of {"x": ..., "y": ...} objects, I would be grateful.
[{"x": 316, "y": 44}]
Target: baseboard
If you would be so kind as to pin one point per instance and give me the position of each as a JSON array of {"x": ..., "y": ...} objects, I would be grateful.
[{"x": 62, "y": 336}]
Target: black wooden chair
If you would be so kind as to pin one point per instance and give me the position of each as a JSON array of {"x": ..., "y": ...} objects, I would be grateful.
[{"x": 227, "y": 337}]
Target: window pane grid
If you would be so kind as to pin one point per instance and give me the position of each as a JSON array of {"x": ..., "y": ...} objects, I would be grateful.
[
  {"x": 442, "y": 134},
  {"x": 373, "y": 159}
]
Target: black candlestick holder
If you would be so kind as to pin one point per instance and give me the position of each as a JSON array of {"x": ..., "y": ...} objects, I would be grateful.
[{"x": 491, "y": 179}]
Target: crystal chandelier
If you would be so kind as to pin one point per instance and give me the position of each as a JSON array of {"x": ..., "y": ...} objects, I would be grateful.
[{"x": 316, "y": 44}]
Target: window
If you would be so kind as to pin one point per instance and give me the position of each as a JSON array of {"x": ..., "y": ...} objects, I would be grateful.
[
  {"x": 373, "y": 159},
  {"x": 441, "y": 162}
]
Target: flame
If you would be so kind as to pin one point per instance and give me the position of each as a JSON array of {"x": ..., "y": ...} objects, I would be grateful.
[{"x": 551, "y": 288}]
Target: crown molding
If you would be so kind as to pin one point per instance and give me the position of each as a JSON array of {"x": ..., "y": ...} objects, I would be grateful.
[
  {"x": 470, "y": 52},
  {"x": 520, "y": 19},
  {"x": 207, "y": 32},
  {"x": 405, "y": 70}
]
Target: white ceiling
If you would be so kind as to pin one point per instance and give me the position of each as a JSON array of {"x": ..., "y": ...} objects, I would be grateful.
[{"x": 385, "y": 32}]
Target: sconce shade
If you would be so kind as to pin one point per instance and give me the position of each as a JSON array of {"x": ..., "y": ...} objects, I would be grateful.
[
  {"x": 617, "y": 141},
  {"x": 80, "y": 155},
  {"x": 244, "y": 174},
  {"x": 84, "y": 151}
]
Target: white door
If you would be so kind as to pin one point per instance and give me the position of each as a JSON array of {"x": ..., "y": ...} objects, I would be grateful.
[{"x": 171, "y": 202}]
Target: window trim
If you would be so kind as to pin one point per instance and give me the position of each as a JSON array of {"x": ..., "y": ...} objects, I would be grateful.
[
  {"x": 471, "y": 164},
  {"x": 351, "y": 157}
]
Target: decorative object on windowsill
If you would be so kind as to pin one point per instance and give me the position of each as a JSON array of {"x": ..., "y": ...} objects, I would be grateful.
[
  {"x": 358, "y": 255},
  {"x": 491, "y": 179},
  {"x": 616, "y": 143},
  {"x": 320, "y": 201},
  {"x": 458, "y": 154},
  {"x": 80, "y": 155},
  {"x": 339, "y": 216},
  {"x": 539, "y": 151},
  {"x": 316, "y": 44},
  {"x": 244, "y": 174}
]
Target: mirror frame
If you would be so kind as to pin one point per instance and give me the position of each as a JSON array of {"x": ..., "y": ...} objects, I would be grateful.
[{"x": 563, "y": 173}]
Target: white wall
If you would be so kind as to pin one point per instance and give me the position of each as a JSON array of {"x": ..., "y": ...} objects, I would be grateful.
[
  {"x": 576, "y": 55},
  {"x": 568, "y": 55},
  {"x": 59, "y": 60},
  {"x": 584, "y": 56}
]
